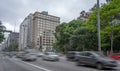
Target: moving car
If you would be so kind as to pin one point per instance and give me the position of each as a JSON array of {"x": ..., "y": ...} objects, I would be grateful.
[
  {"x": 115, "y": 56},
  {"x": 40, "y": 54},
  {"x": 20, "y": 54},
  {"x": 96, "y": 59},
  {"x": 71, "y": 55},
  {"x": 52, "y": 56},
  {"x": 29, "y": 57}
]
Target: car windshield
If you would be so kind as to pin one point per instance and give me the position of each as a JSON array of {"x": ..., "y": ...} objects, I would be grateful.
[
  {"x": 98, "y": 54},
  {"x": 51, "y": 53}
]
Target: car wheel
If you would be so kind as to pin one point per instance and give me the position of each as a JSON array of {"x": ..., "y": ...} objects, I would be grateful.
[
  {"x": 57, "y": 60},
  {"x": 68, "y": 59},
  {"x": 43, "y": 59},
  {"x": 78, "y": 63},
  {"x": 99, "y": 66}
]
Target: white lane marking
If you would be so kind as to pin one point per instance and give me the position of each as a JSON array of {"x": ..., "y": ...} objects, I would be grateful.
[
  {"x": 34, "y": 65},
  {"x": 37, "y": 66}
]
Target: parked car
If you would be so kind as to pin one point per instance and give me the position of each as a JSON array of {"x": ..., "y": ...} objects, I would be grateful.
[
  {"x": 29, "y": 57},
  {"x": 71, "y": 55},
  {"x": 115, "y": 56},
  {"x": 52, "y": 56},
  {"x": 96, "y": 59}
]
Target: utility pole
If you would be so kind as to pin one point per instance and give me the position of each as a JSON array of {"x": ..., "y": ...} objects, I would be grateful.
[{"x": 98, "y": 22}]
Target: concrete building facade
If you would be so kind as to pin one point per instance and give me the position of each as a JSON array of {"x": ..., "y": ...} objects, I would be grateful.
[
  {"x": 37, "y": 30},
  {"x": 25, "y": 39},
  {"x": 13, "y": 38},
  {"x": 43, "y": 29}
]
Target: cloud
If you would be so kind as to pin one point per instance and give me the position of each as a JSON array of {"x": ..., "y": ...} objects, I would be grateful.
[
  {"x": 14, "y": 11},
  {"x": 9, "y": 26}
]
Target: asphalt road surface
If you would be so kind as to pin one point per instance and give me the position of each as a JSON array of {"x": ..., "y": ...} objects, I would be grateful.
[{"x": 14, "y": 64}]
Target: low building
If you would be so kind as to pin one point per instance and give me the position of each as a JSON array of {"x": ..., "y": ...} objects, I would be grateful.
[{"x": 13, "y": 38}]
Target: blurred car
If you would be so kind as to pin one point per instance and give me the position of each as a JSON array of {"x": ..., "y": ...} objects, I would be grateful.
[
  {"x": 20, "y": 54},
  {"x": 10, "y": 55},
  {"x": 71, "y": 55},
  {"x": 115, "y": 56},
  {"x": 29, "y": 57},
  {"x": 60, "y": 54},
  {"x": 40, "y": 54},
  {"x": 96, "y": 59},
  {"x": 52, "y": 56}
]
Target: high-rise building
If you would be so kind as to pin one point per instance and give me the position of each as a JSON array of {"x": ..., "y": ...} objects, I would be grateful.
[
  {"x": 25, "y": 40},
  {"x": 43, "y": 29},
  {"x": 37, "y": 30}
]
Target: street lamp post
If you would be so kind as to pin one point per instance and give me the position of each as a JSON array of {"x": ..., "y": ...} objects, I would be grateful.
[{"x": 98, "y": 22}]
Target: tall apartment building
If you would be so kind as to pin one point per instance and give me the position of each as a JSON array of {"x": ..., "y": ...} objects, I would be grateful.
[
  {"x": 43, "y": 29},
  {"x": 37, "y": 30},
  {"x": 25, "y": 39}
]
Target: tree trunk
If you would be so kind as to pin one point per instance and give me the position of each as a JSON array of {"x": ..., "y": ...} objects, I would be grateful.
[{"x": 112, "y": 42}]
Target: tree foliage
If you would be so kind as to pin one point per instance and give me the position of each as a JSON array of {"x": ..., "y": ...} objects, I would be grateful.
[
  {"x": 80, "y": 35},
  {"x": 65, "y": 32},
  {"x": 108, "y": 13},
  {"x": 1, "y": 32},
  {"x": 12, "y": 47}
]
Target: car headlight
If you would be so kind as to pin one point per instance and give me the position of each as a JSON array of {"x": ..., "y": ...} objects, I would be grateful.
[{"x": 111, "y": 62}]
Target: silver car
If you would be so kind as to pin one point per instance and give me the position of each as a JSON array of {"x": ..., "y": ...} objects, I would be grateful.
[
  {"x": 29, "y": 57},
  {"x": 40, "y": 54},
  {"x": 52, "y": 56}
]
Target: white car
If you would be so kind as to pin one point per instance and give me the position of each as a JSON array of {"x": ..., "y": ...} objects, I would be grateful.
[{"x": 52, "y": 56}]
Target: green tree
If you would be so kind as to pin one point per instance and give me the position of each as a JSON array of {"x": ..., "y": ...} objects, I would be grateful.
[
  {"x": 12, "y": 47},
  {"x": 108, "y": 13},
  {"x": 1, "y": 32},
  {"x": 64, "y": 35},
  {"x": 79, "y": 35}
]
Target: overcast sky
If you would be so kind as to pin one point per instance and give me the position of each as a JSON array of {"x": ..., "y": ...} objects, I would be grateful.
[{"x": 14, "y": 11}]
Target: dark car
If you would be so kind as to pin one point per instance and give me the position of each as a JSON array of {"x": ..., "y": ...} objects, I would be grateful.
[
  {"x": 96, "y": 59},
  {"x": 71, "y": 55}
]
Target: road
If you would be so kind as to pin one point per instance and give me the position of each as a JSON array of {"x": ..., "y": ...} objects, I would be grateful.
[{"x": 14, "y": 64}]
